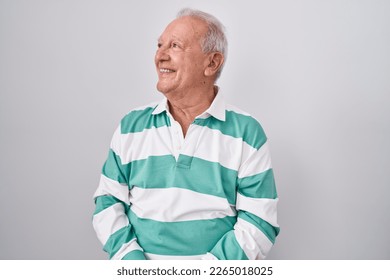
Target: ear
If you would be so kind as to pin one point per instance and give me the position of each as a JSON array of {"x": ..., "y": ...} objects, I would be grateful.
[{"x": 215, "y": 63}]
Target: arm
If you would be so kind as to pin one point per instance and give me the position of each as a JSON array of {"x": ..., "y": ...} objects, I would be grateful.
[
  {"x": 256, "y": 228},
  {"x": 110, "y": 221}
]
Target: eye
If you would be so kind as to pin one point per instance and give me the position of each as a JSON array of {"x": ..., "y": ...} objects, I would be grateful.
[
  {"x": 159, "y": 45},
  {"x": 175, "y": 45}
]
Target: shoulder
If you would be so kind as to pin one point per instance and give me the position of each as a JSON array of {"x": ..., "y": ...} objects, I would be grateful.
[
  {"x": 245, "y": 125},
  {"x": 136, "y": 119}
]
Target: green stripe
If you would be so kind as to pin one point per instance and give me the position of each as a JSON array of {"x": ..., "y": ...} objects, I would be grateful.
[
  {"x": 134, "y": 255},
  {"x": 117, "y": 239},
  {"x": 153, "y": 172},
  {"x": 258, "y": 186},
  {"x": 201, "y": 176},
  {"x": 269, "y": 231},
  {"x": 208, "y": 177},
  {"x": 114, "y": 169},
  {"x": 180, "y": 238},
  {"x": 228, "y": 248},
  {"x": 105, "y": 201},
  {"x": 237, "y": 126},
  {"x": 139, "y": 120},
  {"x": 163, "y": 171}
]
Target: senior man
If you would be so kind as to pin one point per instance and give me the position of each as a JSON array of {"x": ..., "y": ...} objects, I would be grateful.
[{"x": 189, "y": 177}]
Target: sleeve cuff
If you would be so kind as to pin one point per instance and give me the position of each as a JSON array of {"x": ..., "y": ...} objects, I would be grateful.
[{"x": 134, "y": 255}]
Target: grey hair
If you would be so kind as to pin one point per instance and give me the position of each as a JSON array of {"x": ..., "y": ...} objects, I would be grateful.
[{"x": 215, "y": 38}]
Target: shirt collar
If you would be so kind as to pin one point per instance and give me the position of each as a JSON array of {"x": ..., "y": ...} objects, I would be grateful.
[
  {"x": 217, "y": 108},
  {"x": 161, "y": 107}
]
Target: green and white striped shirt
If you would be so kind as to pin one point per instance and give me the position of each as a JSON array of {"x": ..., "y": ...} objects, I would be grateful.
[{"x": 210, "y": 195}]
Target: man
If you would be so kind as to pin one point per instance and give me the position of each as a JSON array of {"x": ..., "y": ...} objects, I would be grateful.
[{"x": 189, "y": 177}]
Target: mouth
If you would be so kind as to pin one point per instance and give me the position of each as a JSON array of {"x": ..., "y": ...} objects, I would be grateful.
[{"x": 166, "y": 70}]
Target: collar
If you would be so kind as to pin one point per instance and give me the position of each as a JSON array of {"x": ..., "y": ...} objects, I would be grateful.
[
  {"x": 161, "y": 107},
  {"x": 216, "y": 109}
]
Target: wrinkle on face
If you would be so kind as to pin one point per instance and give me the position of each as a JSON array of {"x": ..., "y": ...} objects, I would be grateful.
[{"x": 188, "y": 60}]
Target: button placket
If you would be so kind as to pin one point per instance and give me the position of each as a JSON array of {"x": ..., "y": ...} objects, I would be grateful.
[
  {"x": 177, "y": 138},
  {"x": 193, "y": 136}
]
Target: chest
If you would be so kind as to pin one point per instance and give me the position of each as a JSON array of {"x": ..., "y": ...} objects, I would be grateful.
[
  {"x": 201, "y": 142},
  {"x": 206, "y": 160}
]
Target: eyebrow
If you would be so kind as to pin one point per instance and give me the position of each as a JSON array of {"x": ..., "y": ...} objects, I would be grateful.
[{"x": 173, "y": 37}]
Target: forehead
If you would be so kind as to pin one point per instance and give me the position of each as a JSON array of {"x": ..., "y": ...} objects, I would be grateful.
[{"x": 185, "y": 29}]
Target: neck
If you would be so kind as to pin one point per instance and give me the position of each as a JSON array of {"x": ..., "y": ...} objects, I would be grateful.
[
  {"x": 191, "y": 103},
  {"x": 185, "y": 107}
]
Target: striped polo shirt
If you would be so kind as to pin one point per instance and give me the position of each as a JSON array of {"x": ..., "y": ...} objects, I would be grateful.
[{"x": 210, "y": 195}]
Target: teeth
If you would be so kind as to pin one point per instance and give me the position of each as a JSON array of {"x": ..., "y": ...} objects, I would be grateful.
[{"x": 164, "y": 70}]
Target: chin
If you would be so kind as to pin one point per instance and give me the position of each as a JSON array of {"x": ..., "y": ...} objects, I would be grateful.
[
  {"x": 164, "y": 87},
  {"x": 161, "y": 89}
]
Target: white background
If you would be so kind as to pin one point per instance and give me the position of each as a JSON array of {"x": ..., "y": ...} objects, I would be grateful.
[{"x": 316, "y": 74}]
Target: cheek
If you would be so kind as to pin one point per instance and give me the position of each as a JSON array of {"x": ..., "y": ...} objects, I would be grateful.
[{"x": 195, "y": 67}]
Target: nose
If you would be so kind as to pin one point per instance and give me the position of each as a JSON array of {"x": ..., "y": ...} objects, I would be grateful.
[{"x": 161, "y": 54}]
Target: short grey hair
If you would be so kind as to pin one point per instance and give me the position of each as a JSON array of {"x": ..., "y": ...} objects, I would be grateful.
[{"x": 215, "y": 38}]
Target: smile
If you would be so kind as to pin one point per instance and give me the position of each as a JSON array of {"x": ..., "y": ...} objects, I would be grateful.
[{"x": 165, "y": 70}]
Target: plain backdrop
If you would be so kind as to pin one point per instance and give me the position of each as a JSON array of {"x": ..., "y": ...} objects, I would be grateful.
[{"x": 316, "y": 74}]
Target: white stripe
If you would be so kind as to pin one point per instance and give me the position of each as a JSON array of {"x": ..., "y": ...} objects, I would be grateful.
[
  {"x": 109, "y": 221},
  {"x": 176, "y": 204},
  {"x": 141, "y": 145},
  {"x": 253, "y": 241},
  {"x": 264, "y": 208},
  {"x": 211, "y": 145},
  {"x": 255, "y": 162},
  {"x": 150, "y": 256},
  {"x": 126, "y": 248},
  {"x": 116, "y": 141},
  {"x": 111, "y": 187}
]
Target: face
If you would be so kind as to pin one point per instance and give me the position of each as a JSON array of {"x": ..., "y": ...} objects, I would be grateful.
[{"x": 179, "y": 60}]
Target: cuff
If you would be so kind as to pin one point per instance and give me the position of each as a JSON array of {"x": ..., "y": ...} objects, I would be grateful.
[{"x": 134, "y": 255}]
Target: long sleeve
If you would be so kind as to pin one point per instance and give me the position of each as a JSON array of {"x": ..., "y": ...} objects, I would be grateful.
[
  {"x": 256, "y": 228},
  {"x": 110, "y": 219}
]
